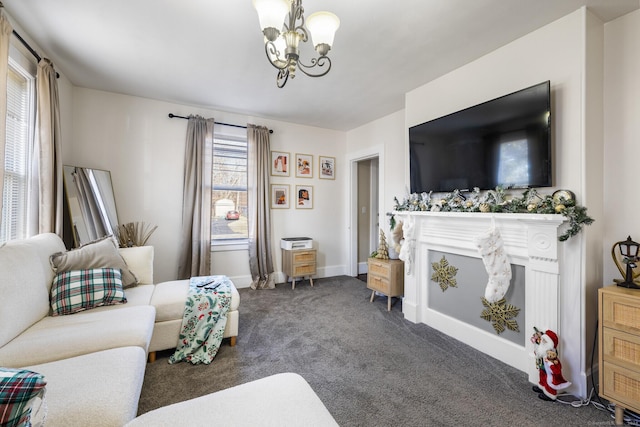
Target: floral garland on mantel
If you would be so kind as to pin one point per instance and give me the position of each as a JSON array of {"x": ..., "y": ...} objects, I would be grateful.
[{"x": 496, "y": 201}]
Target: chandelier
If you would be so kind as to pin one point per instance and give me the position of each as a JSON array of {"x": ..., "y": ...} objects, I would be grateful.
[{"x": 283, "y": 37}]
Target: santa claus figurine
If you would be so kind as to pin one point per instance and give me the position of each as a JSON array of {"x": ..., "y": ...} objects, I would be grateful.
[{"x": 551, "y": 381}]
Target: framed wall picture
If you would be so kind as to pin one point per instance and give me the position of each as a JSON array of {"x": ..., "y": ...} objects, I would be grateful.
[
  {"x": 280, "y": 196},
  {"x": 304, "y": 165},
  {"x": 304, "y": 194},
  {"x": 327, "y": 167},
  {"x": 280, "y": 163}
]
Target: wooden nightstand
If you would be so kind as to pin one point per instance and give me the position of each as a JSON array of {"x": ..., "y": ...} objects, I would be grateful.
[
  {"x": 619, "y": 347},
  {"x": 298, "y": 263},
  {"x": 387, "y": 277}
]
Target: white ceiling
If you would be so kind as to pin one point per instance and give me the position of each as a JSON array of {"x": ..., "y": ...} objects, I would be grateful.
[{"x": 210, "y": 52}]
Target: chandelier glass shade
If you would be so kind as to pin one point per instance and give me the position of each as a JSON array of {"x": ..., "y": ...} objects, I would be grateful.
[{"x": 285, "y": 27}]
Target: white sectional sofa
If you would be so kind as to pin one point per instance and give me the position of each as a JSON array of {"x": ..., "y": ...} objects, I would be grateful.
[{"x": 93, "y": 360}]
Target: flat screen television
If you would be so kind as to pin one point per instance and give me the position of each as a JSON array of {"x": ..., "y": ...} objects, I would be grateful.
[{"x": 503, "y": 142}]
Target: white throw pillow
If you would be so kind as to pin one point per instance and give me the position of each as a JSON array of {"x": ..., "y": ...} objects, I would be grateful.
[{"x": 102, "y": 253}]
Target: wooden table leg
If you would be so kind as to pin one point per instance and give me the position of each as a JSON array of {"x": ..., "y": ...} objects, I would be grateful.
[
  {"x": 619, "y": 415},
  {"x": 311, "y": 280},
  {"x": 293, "y": 283},
  {"x": 373, "y": 294},
  {"x": 388, "y": 303}
]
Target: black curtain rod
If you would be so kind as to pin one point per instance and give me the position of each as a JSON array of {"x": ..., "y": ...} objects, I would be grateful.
[
  {"x": 171, "y": 116},
  {"x": 25, "y": 44},
  {"x": 30, "y": 49}
]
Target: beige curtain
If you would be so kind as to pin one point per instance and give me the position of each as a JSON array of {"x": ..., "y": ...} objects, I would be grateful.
[
  {"x": 5, "y": 36},
  {"x": 49, "y": 155},
  {"x": 195, "y": 246},
  {"x": 260, "y": 257}
]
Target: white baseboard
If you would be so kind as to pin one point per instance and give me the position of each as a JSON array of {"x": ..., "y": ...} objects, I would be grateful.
[
  {"x": 363, "y": 267},
  {"x": 244, "y": 281}
]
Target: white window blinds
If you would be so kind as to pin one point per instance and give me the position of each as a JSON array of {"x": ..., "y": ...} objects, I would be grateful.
[
  {"x": 229, "y": 194},
  {"x": 19, "y": 133}
]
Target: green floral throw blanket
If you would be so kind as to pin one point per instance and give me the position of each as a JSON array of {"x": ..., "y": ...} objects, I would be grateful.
[{"x": 205, "y": 316}]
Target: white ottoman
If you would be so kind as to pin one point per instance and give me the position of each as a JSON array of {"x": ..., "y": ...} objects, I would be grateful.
[
  {"x": 279, "y": 400},
  {"x": 168, "y": 298}
]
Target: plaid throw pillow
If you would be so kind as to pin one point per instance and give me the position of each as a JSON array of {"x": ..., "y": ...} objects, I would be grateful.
[
  {"x": 18, "y": 389},
  {"x": 78, "y": 290}
]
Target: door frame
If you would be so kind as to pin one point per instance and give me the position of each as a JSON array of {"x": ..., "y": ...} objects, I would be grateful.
[
  {"x": 374, "y": 197},
  {"x": 376, "y": 151}
]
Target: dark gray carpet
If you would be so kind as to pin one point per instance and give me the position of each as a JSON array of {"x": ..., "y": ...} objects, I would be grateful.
[{"x": 370, "y": 367}]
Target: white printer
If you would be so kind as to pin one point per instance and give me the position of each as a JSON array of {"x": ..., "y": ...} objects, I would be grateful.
[{"x": 290, "y": 243}]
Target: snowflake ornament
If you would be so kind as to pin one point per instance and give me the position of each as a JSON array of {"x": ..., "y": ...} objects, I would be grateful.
[
  {"x": 501, "y": 315},
  {"x": 443, "y": 274}
]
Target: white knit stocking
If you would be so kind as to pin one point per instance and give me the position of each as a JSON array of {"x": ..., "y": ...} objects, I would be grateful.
[
  {"x": 407, "y": 248},
  {"x": 491, "y": 248}
]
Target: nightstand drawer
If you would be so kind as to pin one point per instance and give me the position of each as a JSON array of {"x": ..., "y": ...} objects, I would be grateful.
[
  {"x": 306, "y": 256},
  {"x": 377, "y": 283},
  {"x": 304, "y": 269},
  {"x": 378, "y": 268}
]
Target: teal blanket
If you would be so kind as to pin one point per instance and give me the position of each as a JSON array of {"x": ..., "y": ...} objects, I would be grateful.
[{"x": 204, "y": 319}]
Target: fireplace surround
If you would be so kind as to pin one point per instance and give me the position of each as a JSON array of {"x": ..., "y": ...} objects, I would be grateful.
[{"x": 530, "y": 240}]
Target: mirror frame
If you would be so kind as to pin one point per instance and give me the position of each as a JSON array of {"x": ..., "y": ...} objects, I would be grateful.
[{"x": 91, "y": 204}]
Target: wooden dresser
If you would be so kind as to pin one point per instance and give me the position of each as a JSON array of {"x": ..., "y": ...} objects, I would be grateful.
[
  {"x": 387, "y": 277},
  {"x": 619, "y": 348},
  {"x": 298, "y": 263}
]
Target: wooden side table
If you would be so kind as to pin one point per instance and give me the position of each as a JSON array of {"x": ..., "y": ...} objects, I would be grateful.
[
  {"x": 387, "y": 277},
  {"x": 298, "y": 263},
  {"x": 619, "y": 348}
]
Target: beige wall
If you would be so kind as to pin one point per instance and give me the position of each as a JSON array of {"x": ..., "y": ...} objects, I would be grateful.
[
  {"x": 144, "y": 150},
  {"x": 384, "y": 139},
  {"x": 621, "y": 134}
]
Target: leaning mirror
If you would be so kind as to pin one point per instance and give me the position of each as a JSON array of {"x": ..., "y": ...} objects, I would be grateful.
[{"x": 92, "y": 206}]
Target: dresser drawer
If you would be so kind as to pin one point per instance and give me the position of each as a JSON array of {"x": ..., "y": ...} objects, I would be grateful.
[
  {"x": 621, "y": 348},
  {"x": 621, "y": 385},
  {"x": 621, "y": 312}
]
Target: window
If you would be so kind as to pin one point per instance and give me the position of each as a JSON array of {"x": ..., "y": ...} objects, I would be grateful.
[
  {"x": 229, "y": 194},
  {"x": 20, "y": 129},
  {"x": 513, "y": 160}
]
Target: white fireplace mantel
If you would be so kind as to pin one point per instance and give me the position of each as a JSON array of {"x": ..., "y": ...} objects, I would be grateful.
[{"x": 530, "y": 240}]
